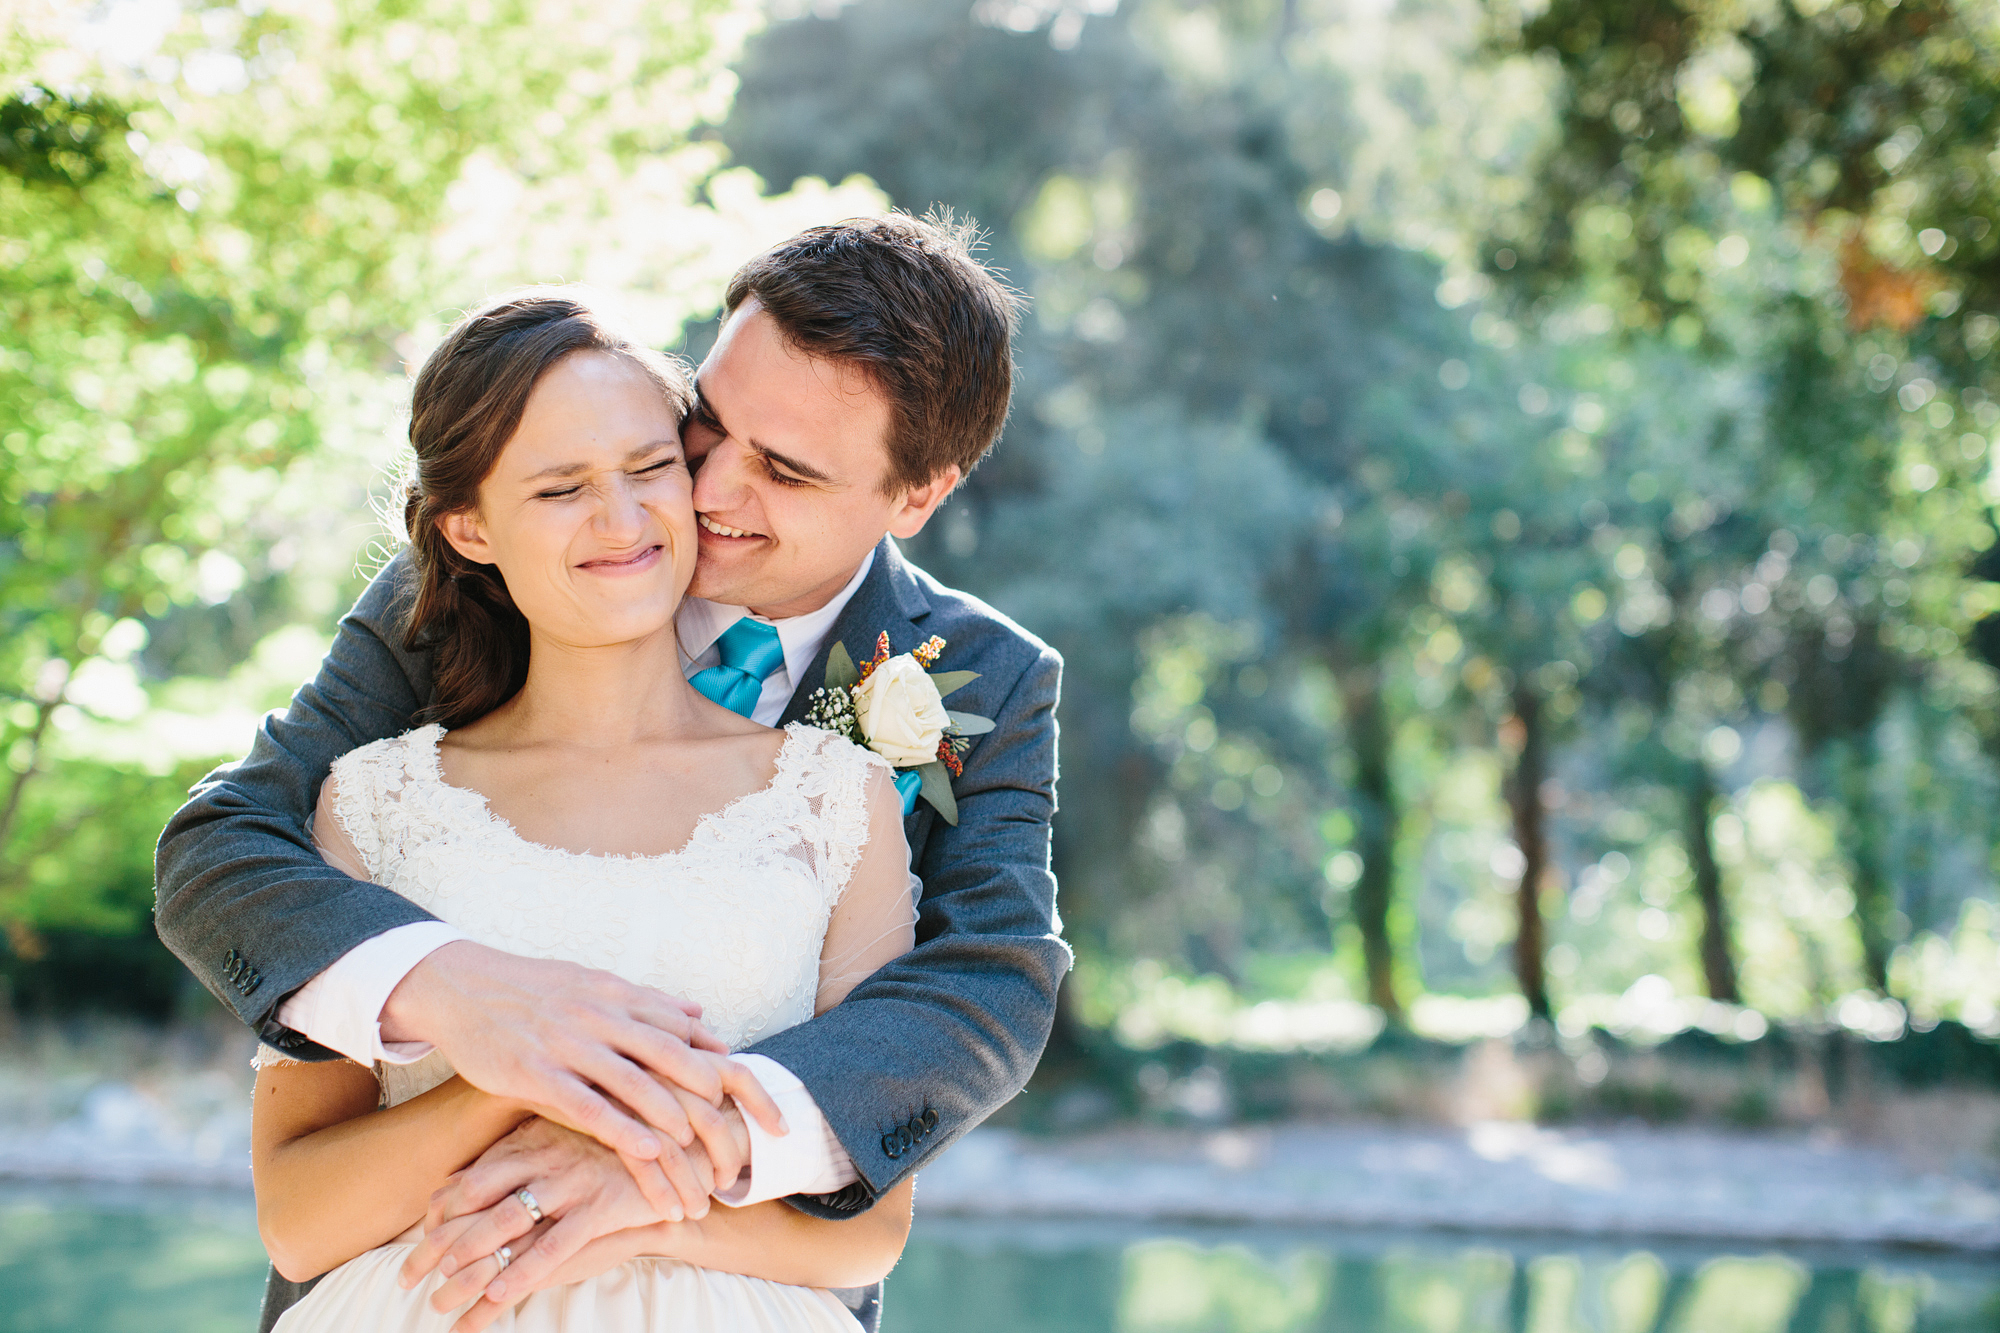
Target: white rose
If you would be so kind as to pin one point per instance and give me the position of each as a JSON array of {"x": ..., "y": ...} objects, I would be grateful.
[{"x": 900, "y": 712}]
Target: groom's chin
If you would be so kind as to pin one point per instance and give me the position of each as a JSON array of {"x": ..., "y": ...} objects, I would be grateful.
[{"x": 722, "y": 578}]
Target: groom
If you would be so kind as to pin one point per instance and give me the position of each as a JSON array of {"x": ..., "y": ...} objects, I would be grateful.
[{"x": 861, "y": 371}]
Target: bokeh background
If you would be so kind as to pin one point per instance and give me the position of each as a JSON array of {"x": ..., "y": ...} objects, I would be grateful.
[
  {"x": 1513, "y": 484},
  {"x": 1513, "y": 481}
]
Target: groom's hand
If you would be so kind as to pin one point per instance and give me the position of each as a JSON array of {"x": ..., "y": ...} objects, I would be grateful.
[{"x": 595, "y": 1049}]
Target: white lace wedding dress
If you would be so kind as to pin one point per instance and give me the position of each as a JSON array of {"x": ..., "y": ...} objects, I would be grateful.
[{"x": 736, "y": 919}]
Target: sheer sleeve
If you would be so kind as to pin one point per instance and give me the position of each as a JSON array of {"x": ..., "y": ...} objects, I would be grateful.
[
  {"x": 876, "y": 918},
  {"x": 330, "y": 837}
]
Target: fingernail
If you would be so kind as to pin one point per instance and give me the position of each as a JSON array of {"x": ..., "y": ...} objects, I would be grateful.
[
  {"x": 648, "y": 1147},
  {"x": 496, "y": 1289},
  {"x": 674, "y": 1214},
  {"x": 783, "y": 1128},
  {"x": 447, "y": 1266}
]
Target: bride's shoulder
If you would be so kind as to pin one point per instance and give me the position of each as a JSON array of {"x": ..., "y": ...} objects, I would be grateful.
[
  {"x": 829, "y": 750},
  {"x": 412, "y": 754}
]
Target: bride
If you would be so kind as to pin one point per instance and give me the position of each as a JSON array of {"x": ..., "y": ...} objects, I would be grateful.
[{"x": 575, "y": 797}]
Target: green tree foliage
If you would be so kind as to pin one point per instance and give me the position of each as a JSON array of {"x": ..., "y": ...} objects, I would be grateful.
[
  {"x": 1514, "y": 497},
  {"x": 1204, "y": 360},
  {"x": 1645, "y": 511},
  {"x": 1803, "y": 188},
  {"x": 217, "y": 238}
]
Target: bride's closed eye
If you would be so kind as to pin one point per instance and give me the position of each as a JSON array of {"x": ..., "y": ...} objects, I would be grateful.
[{"x": 653, "y": 470}]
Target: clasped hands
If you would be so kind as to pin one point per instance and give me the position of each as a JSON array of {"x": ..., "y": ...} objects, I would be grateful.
[{"x": 634, "y": 1117}]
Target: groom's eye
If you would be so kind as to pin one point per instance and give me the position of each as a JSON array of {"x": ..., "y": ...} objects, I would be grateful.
[{"x": 782, "y": 478}]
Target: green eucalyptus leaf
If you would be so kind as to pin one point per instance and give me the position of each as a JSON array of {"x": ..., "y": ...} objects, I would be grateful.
[
  {"x": 937, "y": 790},
  {"x": 840, "y": 670},
  {"x": 970, "y": 724},
  {"x": 947, "y": 681}
]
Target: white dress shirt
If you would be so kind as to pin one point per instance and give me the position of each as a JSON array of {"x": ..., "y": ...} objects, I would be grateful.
[{"x": 341, "y": 1008}]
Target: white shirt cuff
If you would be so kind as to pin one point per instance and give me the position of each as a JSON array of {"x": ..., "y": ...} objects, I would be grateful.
[
  {"x": 341, "y": 1008},
  {"x": 808, "y": 1160}
]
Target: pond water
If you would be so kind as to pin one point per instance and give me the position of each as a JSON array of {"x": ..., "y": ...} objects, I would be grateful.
[{"x": 164, "y": 1261}]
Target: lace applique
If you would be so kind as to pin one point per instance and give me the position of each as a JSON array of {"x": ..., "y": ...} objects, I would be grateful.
[
  {"x": 735, "y": 919},
  {"x": 270, "y": 1057}
]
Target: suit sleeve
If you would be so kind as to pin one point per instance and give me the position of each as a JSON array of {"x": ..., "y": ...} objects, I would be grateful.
[
  {"x": 939, "y": 1039},
  {"x": 242, "y": 896}
]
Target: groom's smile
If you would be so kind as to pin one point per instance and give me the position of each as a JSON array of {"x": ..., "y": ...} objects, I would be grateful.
[{"x": 710, "y": 525}]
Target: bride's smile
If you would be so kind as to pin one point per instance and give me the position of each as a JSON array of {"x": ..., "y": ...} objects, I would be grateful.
[{"x": 588, "y": 512}]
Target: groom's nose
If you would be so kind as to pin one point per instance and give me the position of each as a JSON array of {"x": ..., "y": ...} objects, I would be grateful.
[{"x": 720, "y": 484}]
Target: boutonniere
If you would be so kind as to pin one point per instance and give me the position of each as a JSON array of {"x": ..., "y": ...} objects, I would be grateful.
[{"x": 894, "y": 705}]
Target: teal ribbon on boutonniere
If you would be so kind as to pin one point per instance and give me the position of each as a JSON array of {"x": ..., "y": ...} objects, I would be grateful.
[{"x": 894, "y": 705}]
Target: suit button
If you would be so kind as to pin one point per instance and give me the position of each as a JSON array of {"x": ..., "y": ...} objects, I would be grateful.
[
  {"x": 891, "y": 1146},
  {"x": 903, "y": 1135},
  {"x": 930, "y": 1119},
  {"x": 916, "y": 1127}
]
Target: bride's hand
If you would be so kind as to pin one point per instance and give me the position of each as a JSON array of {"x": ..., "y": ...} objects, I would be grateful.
[
  {"x": 583, "y": 1191},
  {"x": 600, "y": 1256}
]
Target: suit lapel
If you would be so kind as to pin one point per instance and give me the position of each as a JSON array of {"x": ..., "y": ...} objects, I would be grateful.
[{"x": 888, "y": 599}]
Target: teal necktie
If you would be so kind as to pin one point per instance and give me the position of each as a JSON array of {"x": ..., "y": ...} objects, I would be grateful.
[{"x": 750, "y": 652}]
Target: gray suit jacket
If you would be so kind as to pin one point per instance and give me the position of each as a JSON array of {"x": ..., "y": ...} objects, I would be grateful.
[{"x": 916, "y": 1055}]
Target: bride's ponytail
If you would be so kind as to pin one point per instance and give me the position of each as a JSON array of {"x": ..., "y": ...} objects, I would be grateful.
[{"x": 467, "y": 402}]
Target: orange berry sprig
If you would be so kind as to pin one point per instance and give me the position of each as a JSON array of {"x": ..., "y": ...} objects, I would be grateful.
[{"x": 882, "y": 655}]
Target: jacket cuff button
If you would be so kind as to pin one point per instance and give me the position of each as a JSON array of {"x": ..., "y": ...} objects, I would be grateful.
[{"x": 891, "y": 1147}]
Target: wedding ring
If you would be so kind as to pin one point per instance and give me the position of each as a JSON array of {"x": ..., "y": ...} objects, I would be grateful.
[
  {"x": 528, "y": 1202},
  {"x": 506, "y": 1256}
]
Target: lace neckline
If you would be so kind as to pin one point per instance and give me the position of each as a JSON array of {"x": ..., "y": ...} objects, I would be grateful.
[{"x": 427, "y": 740}]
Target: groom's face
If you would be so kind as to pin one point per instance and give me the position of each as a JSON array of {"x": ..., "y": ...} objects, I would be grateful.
[{"x": 792, "y": 459}]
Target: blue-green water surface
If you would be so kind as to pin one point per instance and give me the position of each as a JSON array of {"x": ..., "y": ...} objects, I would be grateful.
[{"x": 166, "y": 1261}]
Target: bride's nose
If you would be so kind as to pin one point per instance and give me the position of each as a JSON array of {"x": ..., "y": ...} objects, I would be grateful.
[{"x": 620, "y": 519}]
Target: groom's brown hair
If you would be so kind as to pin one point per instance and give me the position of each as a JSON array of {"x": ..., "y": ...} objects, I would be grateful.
[{"x": 907, "y": 301}]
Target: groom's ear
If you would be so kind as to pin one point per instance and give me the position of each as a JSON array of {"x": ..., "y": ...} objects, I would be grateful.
[
  {"x": 466, "y": 536},
  {"x": 920, "y": 502}
]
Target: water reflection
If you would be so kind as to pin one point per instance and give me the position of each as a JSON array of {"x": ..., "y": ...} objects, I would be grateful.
[
  {"x": 1068, "y": 1278},
  {"x": 164, "y": 1261}
]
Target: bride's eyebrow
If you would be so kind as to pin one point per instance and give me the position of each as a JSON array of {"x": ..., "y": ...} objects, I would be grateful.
[{"x": 572, "y": 469}]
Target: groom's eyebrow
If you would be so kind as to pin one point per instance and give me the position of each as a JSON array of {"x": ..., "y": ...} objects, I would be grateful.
[
  {"x": 572, "y": 469},
  {"x": 703, "y": 407},
  {"x": 804, "y": 470}
]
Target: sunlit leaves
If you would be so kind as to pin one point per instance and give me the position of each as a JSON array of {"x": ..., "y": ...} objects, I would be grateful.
[{"x": 218, "y": 227}]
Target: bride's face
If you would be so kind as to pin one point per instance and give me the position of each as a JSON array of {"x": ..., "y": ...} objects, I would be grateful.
[{"x": 588, "y": 512}]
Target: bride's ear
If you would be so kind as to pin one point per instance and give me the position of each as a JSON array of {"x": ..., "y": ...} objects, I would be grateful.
[{"x": 466, "y": 535}]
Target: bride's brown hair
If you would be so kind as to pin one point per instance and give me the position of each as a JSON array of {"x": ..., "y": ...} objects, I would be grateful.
[{"x": 466, "y": 405}]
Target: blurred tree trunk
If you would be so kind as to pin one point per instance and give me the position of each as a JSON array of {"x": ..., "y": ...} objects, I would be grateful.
[
  {"x": 1524, "y": 799},
  {"x": 1718, "y": 962},
  {"x": 1376, "y": 820},
  {"x": 1860, "y": 836}
]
